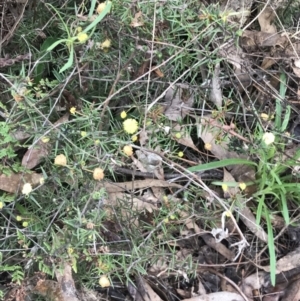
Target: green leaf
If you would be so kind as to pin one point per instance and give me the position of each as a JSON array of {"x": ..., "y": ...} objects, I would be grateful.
[
  {"x": 69, "y": 63},
  {"x": 219, "y": 164},
  {"x": 271, "y": 247},
  {"x": 99, "y": 18}
]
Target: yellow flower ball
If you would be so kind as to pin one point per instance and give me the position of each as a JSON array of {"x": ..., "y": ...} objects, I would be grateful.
[
  {"x": 82, "y": 37},
  {"x": 25, "y": 224},
  {"x": 268, "y": 138},
  {"x": 123, "y": 115},
  {"x": 225, "y": 187},
  {"x": 178, "y": 135},
  {"x": 27, "y": 188},
  {"x": 242, "y": 186},
  {"x": 130, "y": 126},
  {"x": 208, "y": 146},
  {"x": 127, "y": 149},
  {"x": 18, "y": 218},
  {"x": 180, "y": 154},
  {"x": 1, "y": 205},
  {"x": 134, "y": 138},
  {"x": 98, "y": 174},
  {"x": 106, "y": 44},
  {"x": 101, "y": 7},
  {"x": 104, "y": 281},
  {"x": 264, "y": 116},
  {"x": 60, "y": 160},
  {"x": 83, "y": 134},
  {"x": 45, "y": 139},
  {"x": 73, "y": 110}
]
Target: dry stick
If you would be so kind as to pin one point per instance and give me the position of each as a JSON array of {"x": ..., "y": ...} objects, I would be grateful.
[{"x": 111, "y": 92}]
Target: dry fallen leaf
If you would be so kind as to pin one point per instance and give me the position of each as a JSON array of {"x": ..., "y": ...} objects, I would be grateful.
[
  {"x": 265, "y": 19},
  {"x": 224, "y": 296},
  {"x": 179, "y": 100},
  {"x": 62, "y": 290},
  {"x": 144, "y": 291},
  {"x": 185, "y": 139},
  {"x": 216, "y": 95},
  {"x": 15, "y": 182},
  {"x": 40, "y": 150},
  {"x": 137, "y": 20},
  {"x": 252, "y": 283},
  {"x": 286, "y": 263},
  {"x": 292, "y": 292}
]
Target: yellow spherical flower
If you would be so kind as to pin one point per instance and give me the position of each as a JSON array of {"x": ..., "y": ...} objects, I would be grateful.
[
  {"x": 18, "y": 218},
  {"x": 83, "y": 134},
  {"x": 98, "y": 173},
  {"x": 90, "y": 225},
  {"x": 60, "y": 160},
  {"x": 1, "y": 205},
  {"x": 127, "y": 149},
  {"x": 73, "y": 110},
  {"x": 70, "y": 250},
  {"x": 101, "y": 7},
  {"x": 268, "y": 138},
  {"x": 27, "y": 188},
  {"x": 82, "y": 37},
  {"x": 178, "y": 135},
  {"x": 180, "y": 154},
  {"x": 225, "y": 187},
  {"x": 104, "y": 281},
  {"x": 208, "y": 146},
  {"x": 25, "y": 224},
  {"x": 242, "y": 186},
  {"x": 123, "y": 115},
  {"x": 130, "y": 126},
  {"x": 264, "y": 116},
  {"x": 134, "y": 138},
  {"x": 106, "y": 44},
  {"x": 45, "y": 139}
]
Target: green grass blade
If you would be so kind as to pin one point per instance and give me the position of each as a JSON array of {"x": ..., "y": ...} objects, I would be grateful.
[
  {"x": 92, "y": 8},
  {"x": 69, "y": 63},
  {"x": 285, "y": 210},
  {"x": 56, "y": 44},
  {"x": 99, "y": 18},
  {"x": 271, "y": 248},
  {"x": 219, "y": 164}
]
